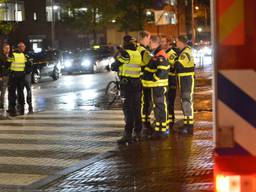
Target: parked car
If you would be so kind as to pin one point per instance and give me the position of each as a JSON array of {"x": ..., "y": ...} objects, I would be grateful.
[
  {"x": 46, "y": 64},
  {"x": 87, "y": 61}
]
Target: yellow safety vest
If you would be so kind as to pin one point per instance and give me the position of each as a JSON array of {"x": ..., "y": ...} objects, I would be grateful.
[
  {"x": 18, "y": 62},
  {"x": 145, "y": 56},
  {"x": 172, "y": 55},
  {"x": 186, "y": 65},
  {"x": 131, "y": 66}
]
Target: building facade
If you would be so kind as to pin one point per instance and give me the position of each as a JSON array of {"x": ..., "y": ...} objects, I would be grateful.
[{"x": 38, "y": 23}]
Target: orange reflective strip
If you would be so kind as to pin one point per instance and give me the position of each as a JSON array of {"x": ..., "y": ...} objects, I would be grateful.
[{"x": 231, "y": 23}]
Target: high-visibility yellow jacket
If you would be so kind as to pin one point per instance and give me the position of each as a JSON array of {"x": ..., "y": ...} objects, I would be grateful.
[
  {"x": 18, "y": 62},
  {"x": 130, "y": 63},
  {"x": 185, "y": 64},
  {"x": 145, "y": 54},
  {"x": 172, "y": 57},
  {"x": 156, "y": 72}
]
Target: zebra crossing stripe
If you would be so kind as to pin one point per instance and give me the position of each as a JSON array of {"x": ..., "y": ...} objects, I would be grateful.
[
  {"x": 37, "y": 161},
  {"x": 14, "y": 179},
  {"x": 50, "y": 147}
]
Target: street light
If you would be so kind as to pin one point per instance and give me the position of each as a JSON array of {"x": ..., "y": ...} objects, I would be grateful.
[
  {"x": 193, "y": 22},
  {"x": 53, "y": 23},
  {"x": 148, "y": 13},
  {"x": 197, "y": 8}
]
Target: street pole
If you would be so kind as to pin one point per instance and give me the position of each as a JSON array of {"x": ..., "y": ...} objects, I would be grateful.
[
  {"x": 53, "y": 25},
  {"x": 193, "y": 22}
]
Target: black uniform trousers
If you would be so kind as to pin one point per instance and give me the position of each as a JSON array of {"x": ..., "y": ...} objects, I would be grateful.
[
  {"x": 16, "y": 84},
  {"x": 146, "y": 107},
  {"x": 159, "y": 95},
  {"x": 172, "y": 89},
  {"x": 28, "y": 88},
  {"x": 3, "y": 88},
  {"x": 131, "y": 92},
  {"x": 186, "y": 86}
]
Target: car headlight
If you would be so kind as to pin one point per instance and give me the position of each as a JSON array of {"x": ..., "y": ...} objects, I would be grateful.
[
  {"x": 86, "y": 62},
  {"x": 68, "y": 63}
]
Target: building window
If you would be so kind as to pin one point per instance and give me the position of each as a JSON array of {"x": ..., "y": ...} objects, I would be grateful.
[
  {"x": 171, "y": 18},
  {"x": 53, "y": 11},
  {"x": 35, "y": 16},
  {"x": 171, "y": 2},
  {"x": 150, "y": 16},
  {"x": 12, "y": 11},
  {"x": 165, "y": 18}
]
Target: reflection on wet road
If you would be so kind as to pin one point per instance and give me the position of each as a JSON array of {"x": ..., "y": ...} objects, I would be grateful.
[{"x": 71, "y": 92}]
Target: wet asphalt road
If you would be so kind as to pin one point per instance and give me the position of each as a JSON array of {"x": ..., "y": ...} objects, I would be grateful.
[{"x": 71, "y": 92}]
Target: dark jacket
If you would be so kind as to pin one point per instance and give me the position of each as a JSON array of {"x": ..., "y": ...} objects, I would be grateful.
[
  {"x": 4, "y": 65},
  {"x": 156, "y": 72}
]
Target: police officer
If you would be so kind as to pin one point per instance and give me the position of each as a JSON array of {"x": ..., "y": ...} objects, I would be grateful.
[
  {"x": 28, "y": 78},
  {"x": 155, "y": 77},
  {"x": 146, "y": 100},
  {"x": 185, "y": 72},
  {"x": 172, "y": 54},
  {"x": 4, "y": 72},
  {"x": 19, "y": 64},
  {"x": 128, "y": 64}
]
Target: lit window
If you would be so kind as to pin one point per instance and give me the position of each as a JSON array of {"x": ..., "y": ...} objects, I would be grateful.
[
  {"x": 53, "y": 11},
  {"x": 11, "y": 11},
  {"x": 170, "y": 18},
  {"x": 35, "y": 16},
  {"x": 150, "y": 16},
  {"x": 171, "y": 2}
]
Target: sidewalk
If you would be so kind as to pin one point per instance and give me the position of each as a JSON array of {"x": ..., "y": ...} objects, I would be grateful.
[{"x": 180, "y": 163}]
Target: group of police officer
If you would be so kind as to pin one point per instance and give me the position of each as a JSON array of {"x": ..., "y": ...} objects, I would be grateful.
[
  {"x": 150, "y": 75},
  {"x": 15, "y": 75}
]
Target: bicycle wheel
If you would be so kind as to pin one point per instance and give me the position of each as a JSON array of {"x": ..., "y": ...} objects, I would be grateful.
[{"x": 111, "y": 92}]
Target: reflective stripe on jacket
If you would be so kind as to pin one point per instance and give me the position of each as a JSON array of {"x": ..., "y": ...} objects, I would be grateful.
[
  {"x": 156, "y": 72},
  {"x": 131, "y": 65},
  {"x": 185, "y": 63},
  {"x": 172, "y": 56},
  {"x": 18, "y": 62}
]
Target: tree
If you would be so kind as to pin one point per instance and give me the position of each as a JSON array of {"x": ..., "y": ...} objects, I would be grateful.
[
  {"x": 5, "y": 27},
  {"x": 132, "y": 15},
  {"x": 89, "y": 16}
]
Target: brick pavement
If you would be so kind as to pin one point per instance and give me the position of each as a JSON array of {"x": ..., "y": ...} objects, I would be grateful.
[{"x": 180, "y": 163}]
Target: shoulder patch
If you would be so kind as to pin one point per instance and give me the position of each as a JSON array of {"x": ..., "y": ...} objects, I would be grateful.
[{"x": 183, "y": 56}]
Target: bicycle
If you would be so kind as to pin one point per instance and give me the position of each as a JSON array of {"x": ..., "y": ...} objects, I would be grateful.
[{"x": 112, "y": 92}]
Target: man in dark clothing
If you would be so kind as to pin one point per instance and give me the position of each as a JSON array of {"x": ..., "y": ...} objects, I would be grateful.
[
  {"x": 128, "y": 65},
  {"x": 4, "y": 72},
  {"x": 155, "y": 77}
]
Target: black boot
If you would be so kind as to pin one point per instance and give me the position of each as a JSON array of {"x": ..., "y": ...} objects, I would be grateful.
[
  {"x": 125, "y": 140},
  {"x": 186, "y": 130},
  {"x": 30, "y": 109},
  {"x": 21, "y": 109},
  {"x": 147, "y": 131},
  {"x": 137, "y": 137},
  {"x": 12, "y": 112}
]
